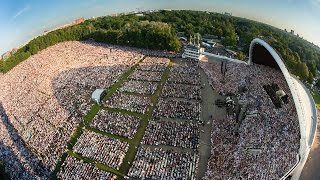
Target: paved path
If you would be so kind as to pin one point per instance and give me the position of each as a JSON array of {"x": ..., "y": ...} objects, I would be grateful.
[
  {"x": 311, "y": 170},
  {"x": 208, "y": 108}
]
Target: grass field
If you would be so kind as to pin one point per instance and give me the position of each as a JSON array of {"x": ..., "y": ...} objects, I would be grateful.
[{"x": 316, "y": 98}]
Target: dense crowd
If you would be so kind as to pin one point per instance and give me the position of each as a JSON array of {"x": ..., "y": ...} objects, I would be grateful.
[
  {"x": 264, "y": 146},
  {"x": 116, "y": 123},
  {"x": 181, "y": 109},
  {"x": 141, "y": 87},
  {"x": 129, "y": 102},
  {"x": 192, "y": 79},
  {"x": 146, "y": 75},
  {"x": 190, "y": 67},
  {"x": 155, "y": 64},
  {"x": 46, "y": 96},
  {"x": 160, "y": 53},
  {"x": 177, "y": 134},
  {"x": 164, "y": 164},
  {"x": 75, "y": 169},
  {"x": 101, "y": 148},
  {"x": 181, "y": 91}
]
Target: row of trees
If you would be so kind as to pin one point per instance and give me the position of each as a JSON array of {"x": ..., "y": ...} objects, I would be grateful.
[
  {"x": 158, "y": 31},
  {"x": 301, "y": 57}
]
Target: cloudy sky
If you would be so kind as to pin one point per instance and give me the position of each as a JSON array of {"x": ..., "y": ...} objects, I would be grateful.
[{"x": 22, "y": 20}]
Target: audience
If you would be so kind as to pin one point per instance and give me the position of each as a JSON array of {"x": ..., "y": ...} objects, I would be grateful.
[
  {"x": 101, "y": 148},
  {"x": 141, "y": 87},
  {"x": 264, "y": 146},
  {"x": 116, "y": 123},
  {"x": 76, "y": 169},
  {"x": 164, "y": 164},
  {"x": 129, "y": 102},
  {"x": 177, "y": 134}
]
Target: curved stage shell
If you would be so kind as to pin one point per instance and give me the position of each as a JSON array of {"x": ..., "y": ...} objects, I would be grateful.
[{"x": 261, "y": 52}]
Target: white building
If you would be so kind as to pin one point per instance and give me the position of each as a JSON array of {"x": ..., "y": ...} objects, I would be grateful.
[{"x": 193, "y": 52}]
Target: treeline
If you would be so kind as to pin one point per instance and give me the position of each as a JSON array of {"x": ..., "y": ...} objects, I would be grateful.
[
  {"x": 301, "y": 57},
  {"x": 122, "y": 30},
  {"x": 157, "y": 30},
  {"x": 142, "y": 34}
]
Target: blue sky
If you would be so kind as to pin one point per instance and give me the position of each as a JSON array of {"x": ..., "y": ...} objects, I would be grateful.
[{"x": 22, "y": 20}]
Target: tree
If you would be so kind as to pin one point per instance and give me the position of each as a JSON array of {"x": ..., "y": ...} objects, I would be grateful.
[
  {"x": 302, "y": 71},
  {"x": 310, "y": 78},
  {"x": 241, "y": 56}
]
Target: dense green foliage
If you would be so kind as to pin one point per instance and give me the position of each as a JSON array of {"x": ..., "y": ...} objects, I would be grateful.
[
  {"x": 3, "y": 174},
  {"x": 157, "y": 31},
  {"x": 301, "y": 57}
]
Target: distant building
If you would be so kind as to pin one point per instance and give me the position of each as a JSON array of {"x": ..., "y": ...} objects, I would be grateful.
[
  {"x": 7, "y": 54},
  {"x": 227, "y": 14},
  {"x": 193, "y": 52},
  {"x": 139, "y": 14}
]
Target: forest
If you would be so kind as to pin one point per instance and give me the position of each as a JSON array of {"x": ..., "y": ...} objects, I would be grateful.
[{"x": 157, "y": 30}]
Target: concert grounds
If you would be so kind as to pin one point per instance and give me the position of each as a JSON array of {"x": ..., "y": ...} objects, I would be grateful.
[{"x": 157, "y": 120}]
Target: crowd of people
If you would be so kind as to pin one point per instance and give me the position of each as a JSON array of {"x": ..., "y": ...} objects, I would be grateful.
[
  {"x": 101, "y": 148},
  {"x": 182, "y": 109},
  {"x": 192, "y": 79},
  {"x": 190, "y": 67},
  {"x": 164, "y": 164},
  {"x": 45, "y": 97},
  {"x": 75, "y": 169},
  {"x": 177, "y": 134},
  {"x": 116, "y": 123},
  {"x": 181, "y": 91},
  {"x": 146, "y": 75},
  {"x": 127, "y": 102},
  {"x": 155, "y": 64},
  {"x": 264, "y": 146},
  {"x": 141, "y": 87}
]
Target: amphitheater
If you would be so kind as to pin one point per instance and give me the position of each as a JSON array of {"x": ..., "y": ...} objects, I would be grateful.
[{"x": 158, "y": 118}]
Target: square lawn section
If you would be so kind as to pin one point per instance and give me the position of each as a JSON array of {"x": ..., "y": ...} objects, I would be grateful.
[
  {"x": 141, "y": 87},
  {"x": 75, "y": 169},
  {"x": 181, "y": 109},
  {"x": 177, "y": 134},
  {"x": 101, "y": 148},
  {"x": 164, "y": 164},
  {"x": 129, "y": 102},
  {"x": 181, "y": 91},
  {"x": 116, "y": 123},
  {"x": 146, "y": 75}
]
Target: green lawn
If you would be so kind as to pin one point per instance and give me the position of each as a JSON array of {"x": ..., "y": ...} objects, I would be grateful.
[{"x": 316, "y": 98}]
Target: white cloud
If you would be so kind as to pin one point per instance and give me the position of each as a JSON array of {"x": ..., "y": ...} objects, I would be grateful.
[{"x": 26, "y": 8}]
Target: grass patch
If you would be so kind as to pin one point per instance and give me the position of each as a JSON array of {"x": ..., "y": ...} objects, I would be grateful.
[
  {"x": 58, "y": 166},
  {"x": 316, "y": 98},
  {"x": 87, "y": 120},
  {"x": 133, "y": 147},
  {"x": 114, "y": 136}
]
